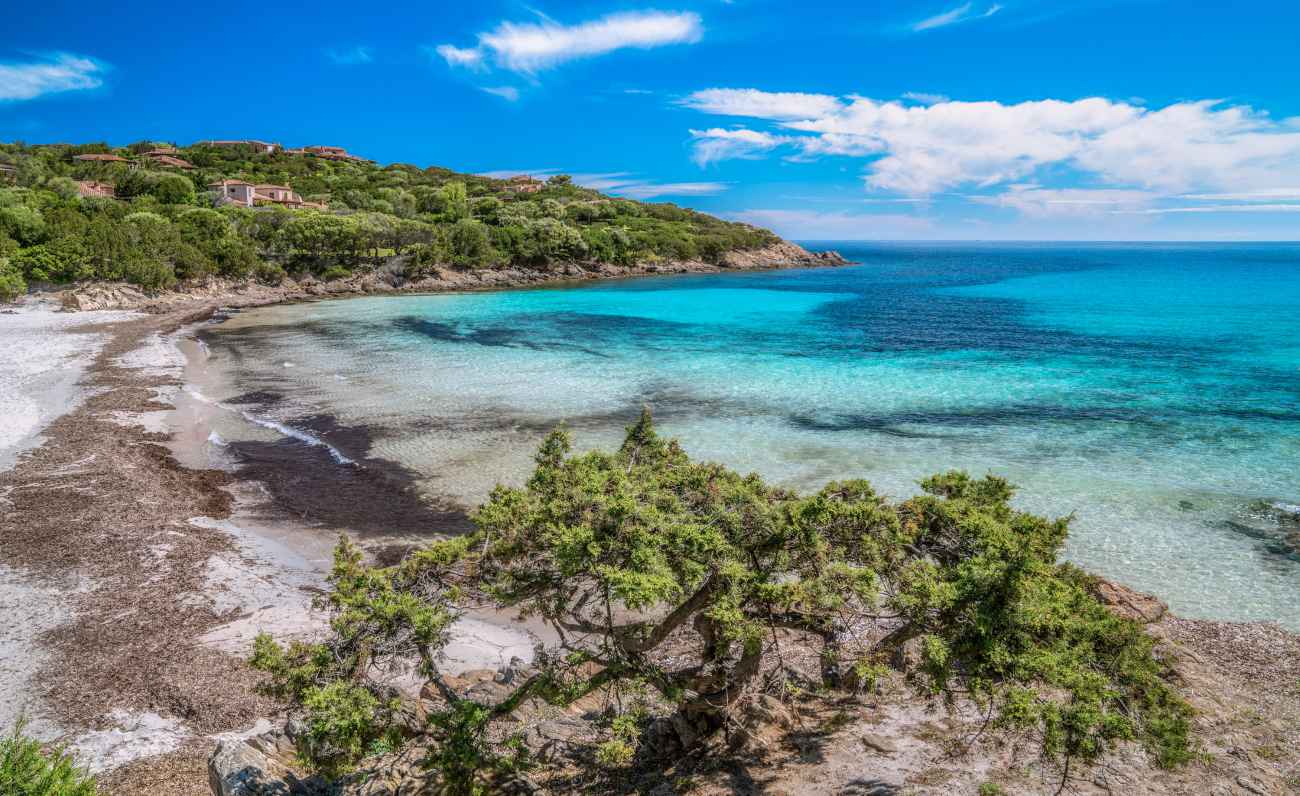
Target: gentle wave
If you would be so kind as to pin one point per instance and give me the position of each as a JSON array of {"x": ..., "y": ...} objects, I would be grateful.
[
  {"x": 274, "y": 425},
  {"x": 298, "y": 434}
]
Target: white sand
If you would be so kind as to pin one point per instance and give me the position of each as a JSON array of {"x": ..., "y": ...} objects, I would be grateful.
[
  {"x": 40, "y": 365},
  {"x": 270, "y": 585},
  {"x": 28, "y": 608},
  {"x": 135, "y": 735}
]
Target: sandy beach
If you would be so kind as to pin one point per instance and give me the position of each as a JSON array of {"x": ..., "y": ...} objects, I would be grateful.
[
  {"x": 134, "y": 575},
  {"x": 137, "y": 564}
]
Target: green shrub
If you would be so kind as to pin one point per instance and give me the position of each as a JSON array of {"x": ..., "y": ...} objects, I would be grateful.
[
  {"x": 269, "y": 273},
  {"x": 23, "y": 224},
  {"x": 12, "y": 284},
  {"x": 628, "y": 549},
  {"x": 469, "y": 244},
  {"x": 27, "y": 770}
]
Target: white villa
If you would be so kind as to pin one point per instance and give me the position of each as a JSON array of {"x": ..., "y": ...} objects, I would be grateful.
[{"x": 247, "y": 194}]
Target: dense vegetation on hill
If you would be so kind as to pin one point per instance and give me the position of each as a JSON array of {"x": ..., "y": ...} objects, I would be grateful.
[
  {"x": 164, "y": 224},
  {"x": 669, "y": 584}
]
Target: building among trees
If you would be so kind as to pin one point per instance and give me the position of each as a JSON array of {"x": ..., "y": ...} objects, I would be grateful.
[{"x": 247, "y": 194}]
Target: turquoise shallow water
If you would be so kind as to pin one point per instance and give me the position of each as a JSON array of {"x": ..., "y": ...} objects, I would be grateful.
[{"x": 1152, "y": 391}]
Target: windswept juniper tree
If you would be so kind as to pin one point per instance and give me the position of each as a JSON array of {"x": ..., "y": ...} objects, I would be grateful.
[{"x": 632, "y": 555}]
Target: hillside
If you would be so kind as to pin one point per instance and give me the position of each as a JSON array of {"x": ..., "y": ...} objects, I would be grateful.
[{"x": 156, "y": 215}]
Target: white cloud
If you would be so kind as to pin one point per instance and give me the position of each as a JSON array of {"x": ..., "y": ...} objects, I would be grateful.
[
  {"x": 1196, "y": 144},
  {"x": 61, "y": 72},
  {"x": 649, "y": 190},
  {"x": 919, "y": 150},
  {"x": 352, "y": 56},
  {"x": 529, "y": 47},
  {"x": 508, "y": 93},
  {"x": 948, "y": 144},
  {"x": 621, "y": 183},
  {"x": 1030, "y": 200},
  {"x": 813, "y": 225},
  {"x": 923, "y": 98},
  {"x": 471, "y": 57},
  {"x": 1263, "y": 208},
  {"x": 962, "y": 13},
  {"x": 1269, "y": 194},
  {"x": 719, "y": 143},
  {"x": 762, "y": 104}
]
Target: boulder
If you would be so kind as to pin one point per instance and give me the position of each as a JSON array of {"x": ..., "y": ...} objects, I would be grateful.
[
  {"x": 882, "y": 744},
  {"x": 258, "y": 766},
  {"x": 1128, "y": 603},
  {"x": 549, "y": 739}
]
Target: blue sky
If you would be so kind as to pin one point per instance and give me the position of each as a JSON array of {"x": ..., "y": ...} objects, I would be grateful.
[{"x": 1021, "y": 119}]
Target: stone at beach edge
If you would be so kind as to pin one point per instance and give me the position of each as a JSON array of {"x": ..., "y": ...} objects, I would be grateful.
[{"x": 1131, "y": 604}]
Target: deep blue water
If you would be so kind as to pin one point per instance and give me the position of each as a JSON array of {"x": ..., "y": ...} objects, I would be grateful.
[{"x": 1152, "y": 390}]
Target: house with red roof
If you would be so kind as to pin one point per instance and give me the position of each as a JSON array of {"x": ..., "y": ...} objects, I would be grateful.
[
  {"x": 247, "y": 194},
  {"x": 90, "y": 189},
  {"x": 175, "y": 163}
]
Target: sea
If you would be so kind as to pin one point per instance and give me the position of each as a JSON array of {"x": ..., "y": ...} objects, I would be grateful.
[{"x": 1149, "y": 391}]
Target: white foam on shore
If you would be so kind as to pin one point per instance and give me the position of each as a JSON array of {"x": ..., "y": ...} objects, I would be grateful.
[
  {"x": 274, "y": 425},
  {"x": 298, "y": 434},
  {"x": 41, "y": 361}
]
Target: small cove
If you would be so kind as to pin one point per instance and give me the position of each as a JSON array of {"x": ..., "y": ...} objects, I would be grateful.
[{"x": 1153, "y": 391}]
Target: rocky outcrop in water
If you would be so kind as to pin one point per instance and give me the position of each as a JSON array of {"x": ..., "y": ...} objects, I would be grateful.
[{"x": 1274, "y": 523}]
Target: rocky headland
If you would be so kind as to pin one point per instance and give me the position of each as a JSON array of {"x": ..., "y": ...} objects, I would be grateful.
[{"x": 391, "y": 278}]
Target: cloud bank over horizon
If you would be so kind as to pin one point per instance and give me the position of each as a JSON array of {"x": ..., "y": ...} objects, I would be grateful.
[{"x": 1118, "y": 156}]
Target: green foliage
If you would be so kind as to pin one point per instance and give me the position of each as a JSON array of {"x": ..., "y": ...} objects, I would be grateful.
[
  {"x": 173, "y": 189},
  {"x": 468, "y": 243},
  {"x": 27, "y": 770},
  {"x": 12, "y": 284},
  {"x": 625, "y": 732},
  {"x": 455, "y": 201},
  {"x": 375, "y": 213},
  {"x": 22, "y": 223},
  {"x": 64, "y": 187},
  {"x": 620, "y": 551}
]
